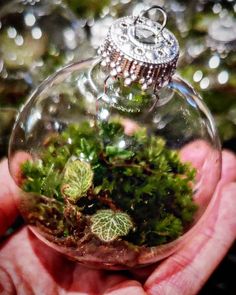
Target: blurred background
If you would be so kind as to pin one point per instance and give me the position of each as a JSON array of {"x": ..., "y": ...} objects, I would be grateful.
[{"x": 37, "y": 37}]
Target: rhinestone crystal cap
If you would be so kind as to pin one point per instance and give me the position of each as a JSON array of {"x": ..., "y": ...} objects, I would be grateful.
[{"x": 139, "y": 49}]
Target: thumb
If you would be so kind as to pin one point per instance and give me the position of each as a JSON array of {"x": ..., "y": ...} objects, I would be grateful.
[
  {"x": 187, "y": 270},
  {"x": 8, "y": 191}
]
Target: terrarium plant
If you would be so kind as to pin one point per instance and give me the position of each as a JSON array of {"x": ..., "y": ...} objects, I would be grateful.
[
  {"x": 104, "y": 173},
  {"x": 110, "y": 191}
]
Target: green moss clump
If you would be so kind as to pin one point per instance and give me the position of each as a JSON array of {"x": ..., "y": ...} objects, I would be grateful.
[{"x": 140, "y": 177}]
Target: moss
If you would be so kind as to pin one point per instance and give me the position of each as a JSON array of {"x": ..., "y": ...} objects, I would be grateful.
[{"x": 144, "y": 180}]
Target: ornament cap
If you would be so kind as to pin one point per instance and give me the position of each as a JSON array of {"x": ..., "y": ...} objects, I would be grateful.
[{"x": 139, "y": 49}]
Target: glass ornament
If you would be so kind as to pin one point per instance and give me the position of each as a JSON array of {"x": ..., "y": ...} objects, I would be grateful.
[{"x": 116, "y": 157}]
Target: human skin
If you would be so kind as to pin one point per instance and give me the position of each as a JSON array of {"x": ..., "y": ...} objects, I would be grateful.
[{"x": 28, "y": 266}]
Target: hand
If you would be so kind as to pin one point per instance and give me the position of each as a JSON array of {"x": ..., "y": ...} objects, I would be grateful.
[{"x": 27, "y": 266}]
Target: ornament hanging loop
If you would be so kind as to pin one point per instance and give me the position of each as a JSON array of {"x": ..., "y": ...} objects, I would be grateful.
[
  {"x": 159, "y": 8},
  {"x": 140, "y": 50}
]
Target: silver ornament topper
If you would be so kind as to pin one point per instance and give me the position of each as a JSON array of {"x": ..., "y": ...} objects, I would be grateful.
[{"x": 139, "y": 49}]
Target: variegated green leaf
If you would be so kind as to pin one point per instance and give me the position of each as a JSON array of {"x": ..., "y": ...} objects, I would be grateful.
[
  {"x": 78, "y": 177},
  {"x": 108, "y": 225}
]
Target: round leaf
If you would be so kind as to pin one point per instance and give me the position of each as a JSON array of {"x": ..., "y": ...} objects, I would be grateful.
[
  {"x": 107, "y": 225},
  {"x": 78, "y": 177}
]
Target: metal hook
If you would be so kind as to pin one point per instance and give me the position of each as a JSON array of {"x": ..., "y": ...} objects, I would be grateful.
[{"x": 143, "y": 12}]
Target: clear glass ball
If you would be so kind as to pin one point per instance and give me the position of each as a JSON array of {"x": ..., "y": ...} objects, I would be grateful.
[{"x": 114, "y": 177}]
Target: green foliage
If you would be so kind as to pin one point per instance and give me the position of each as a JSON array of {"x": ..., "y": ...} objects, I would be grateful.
[
  {"x": 116, "y": 152},
  {"x": 43, "y": 179},
  {"x": 87, "y": 8},
  {"x": 77, "y": 179},
  {"x": 141, "y": 180},
  {"x": 130, "y": 98},
  {"x": 108, "y": 225}
]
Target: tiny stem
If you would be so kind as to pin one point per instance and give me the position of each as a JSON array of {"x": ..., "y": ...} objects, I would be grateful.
[
  {"x": 145, "y": 168},
  {"x": 69, "y": 211},
  {"x": 104, "y": 199}
]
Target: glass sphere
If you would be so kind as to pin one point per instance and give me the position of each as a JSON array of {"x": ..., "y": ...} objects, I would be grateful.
[
  {"x": 114, "y": 177},
  {"x": 36, "y": 37}
]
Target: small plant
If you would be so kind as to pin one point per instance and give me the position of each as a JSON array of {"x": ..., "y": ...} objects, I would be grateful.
[
  {"x": 108, "y": 225},
  {"x": 77, "y": 179},
  {"x": 97, "y": 182}
]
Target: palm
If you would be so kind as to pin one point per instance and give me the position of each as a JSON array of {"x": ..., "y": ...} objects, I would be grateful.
[
  {"x": 28, "y": 266},
  {"x": 33, "y": 267}
]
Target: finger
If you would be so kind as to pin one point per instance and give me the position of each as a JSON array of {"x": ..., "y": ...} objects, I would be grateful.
[
  {"x": 26, "y": 270},
  {"x": 195, "y": 152},
  {"x": 103, "y": 282},
  {"x": 16, "y": 161},
  {"x": 187, "y": 270},
  {"x": 206, "y": 160},
  {"x": 6, "y": 284},
  {"x": 9, "y": 192},
  {"x": 8, "y": 189},
  {"x": 228, "y": 167},
  {"x": 126, "y": 288}
]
